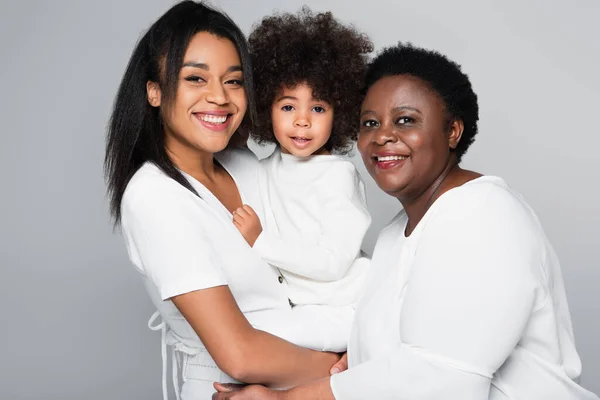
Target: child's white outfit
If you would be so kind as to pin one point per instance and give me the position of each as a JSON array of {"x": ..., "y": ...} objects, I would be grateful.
[{"x": 315, "y": 219}]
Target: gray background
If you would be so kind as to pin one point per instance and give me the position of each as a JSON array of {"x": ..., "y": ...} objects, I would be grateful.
[{"x": 74, "y": 311}]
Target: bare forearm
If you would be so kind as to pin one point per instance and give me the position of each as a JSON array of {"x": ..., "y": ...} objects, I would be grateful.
[
  {"x": 275, "y": 362},
  {"x": 317, "y": 390}
]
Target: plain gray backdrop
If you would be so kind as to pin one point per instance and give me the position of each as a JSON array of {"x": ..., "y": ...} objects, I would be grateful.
[{"x": 74, "y": 311}]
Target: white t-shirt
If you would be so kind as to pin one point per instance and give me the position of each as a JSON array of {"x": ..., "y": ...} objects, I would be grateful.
[
  {"x": 180, "y": 242},
  {"x": 315, "y": 220},
  {"x": 470, "y": 306}
]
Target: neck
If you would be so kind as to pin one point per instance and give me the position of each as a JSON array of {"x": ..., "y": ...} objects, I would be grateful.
[
  {"x": 198, "y": 164},
  {"x": 416, "y": 206}
]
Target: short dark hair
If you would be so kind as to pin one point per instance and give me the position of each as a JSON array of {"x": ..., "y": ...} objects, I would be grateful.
[
  {"x": 331, "y": 58},
  {"x": 135, "y": 131},
  {"x": 441, "y": 74}
]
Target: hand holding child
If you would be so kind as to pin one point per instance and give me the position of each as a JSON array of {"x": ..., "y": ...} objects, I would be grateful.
[{"x": 248, "y": 223}]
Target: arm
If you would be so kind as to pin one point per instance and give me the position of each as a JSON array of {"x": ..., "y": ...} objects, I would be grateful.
[
  {"x": 175, "y": 252},
  {"x": 318, "y": 327},
  {"x": 345, "y": 220},
  {"x": 245, "y": 353}
]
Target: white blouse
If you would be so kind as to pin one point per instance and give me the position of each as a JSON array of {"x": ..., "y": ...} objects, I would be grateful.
[
  {"x": 470, "y": 306},
  {"x": 180, "y": 242},
  {"x": 315, "y": 220}
]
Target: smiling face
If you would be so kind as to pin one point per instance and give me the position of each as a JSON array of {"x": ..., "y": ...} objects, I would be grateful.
[
  {"x": 301, "y": 124},
  {"x": 210, "y": 102},
  {"x": 405, "y": 136}
]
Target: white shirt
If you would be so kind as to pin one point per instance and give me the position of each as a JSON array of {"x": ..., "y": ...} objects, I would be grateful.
[
  {"x": 470, "y": 306},
  {"x": 315, "y": 221},
  {"x": 180, "y": 242}
]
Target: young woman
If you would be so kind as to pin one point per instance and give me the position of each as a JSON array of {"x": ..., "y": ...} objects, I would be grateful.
[{"x": 173, "y": 187}]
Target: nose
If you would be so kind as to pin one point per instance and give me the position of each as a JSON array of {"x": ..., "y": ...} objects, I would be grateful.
[
  {"x": 302, "y": 120},
  {"x": 217, "y": 94},
  {"x": 383, "y": 136}
]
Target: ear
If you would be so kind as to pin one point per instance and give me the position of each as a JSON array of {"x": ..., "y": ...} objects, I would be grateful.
[
  {"x": 154, "y": 93},
  {"x": 455, "y": 133}
]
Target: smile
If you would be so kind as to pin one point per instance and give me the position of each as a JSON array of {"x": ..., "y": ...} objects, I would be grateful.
[
  {"x": 301, "y": 139},
  {"x": 218, "y": 121},
  {"x": 389, "y": 158},
  {"x": 214, "y": 119},
  {"x": 388, "y": 161}
]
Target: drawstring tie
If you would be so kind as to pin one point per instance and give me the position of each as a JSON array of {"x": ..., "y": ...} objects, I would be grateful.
[{"x": 166, "y": 339}]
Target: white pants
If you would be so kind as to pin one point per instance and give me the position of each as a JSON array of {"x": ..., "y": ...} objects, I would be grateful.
[{"x": 199, "y": 372}]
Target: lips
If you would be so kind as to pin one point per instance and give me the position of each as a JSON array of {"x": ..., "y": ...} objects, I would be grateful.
[
  {"x": 215, "y": 120},
  {"x": 389, "y": 160},
  {"x": 301, "y": 142}
]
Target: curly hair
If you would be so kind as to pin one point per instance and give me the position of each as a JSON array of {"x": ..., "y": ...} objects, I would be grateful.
[
  {"x": 441, "y": 74},
  {"x": 331, "y": 58}
]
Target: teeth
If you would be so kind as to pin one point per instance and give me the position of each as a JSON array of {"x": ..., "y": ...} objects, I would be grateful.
[
  {"x": 301, "y": 139},
  {"x": 391, "y": 158},
  {"x": 213, "y": 119}
]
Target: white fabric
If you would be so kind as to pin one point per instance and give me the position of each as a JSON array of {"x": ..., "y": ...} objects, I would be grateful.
[
  {"x": 315, "y": 221},
  {"x": 180, "y": 242},
  {"x": 470, "y": 306}
]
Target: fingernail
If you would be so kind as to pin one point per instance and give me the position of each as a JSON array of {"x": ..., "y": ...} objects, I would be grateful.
[{"x": 335, "y": 371}]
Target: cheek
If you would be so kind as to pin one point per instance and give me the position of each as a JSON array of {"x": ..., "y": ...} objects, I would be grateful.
[
  {"x": 279, "y": 120},
  {"x": 361, "y": 144},
  {"x": 240, "y": 100},
  {"x": 326, "y": 125}
]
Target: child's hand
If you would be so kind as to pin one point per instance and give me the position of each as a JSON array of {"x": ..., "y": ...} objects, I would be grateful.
[{"x": 248, "y": 223}]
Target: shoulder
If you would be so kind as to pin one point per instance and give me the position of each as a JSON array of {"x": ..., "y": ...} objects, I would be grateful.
[
  {"x": 483, "y": 210},
  {"x": 340, "y": 171},
  {"x": 488, "y": 197},
  {"x": 149, "y": 189}
]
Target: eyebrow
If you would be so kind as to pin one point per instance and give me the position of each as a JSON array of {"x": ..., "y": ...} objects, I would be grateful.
[
  {"x": 285, "y": 98},
  {"x": 233, "y": 68},
  {"x": 395, "y": 109},
  {"x": 277, "y": 100},
  {"x": 402, "y": 108}
]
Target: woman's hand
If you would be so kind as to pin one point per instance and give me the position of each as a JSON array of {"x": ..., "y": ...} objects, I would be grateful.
[
  {"x": 244, "y": 392},
  {"x": 340, "y": 366}
]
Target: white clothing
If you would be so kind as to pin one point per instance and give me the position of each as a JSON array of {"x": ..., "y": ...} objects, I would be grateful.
[
  {"x": 315, "y": 221},
  {"x": 470, "y": 306},
  {"x": 180, "y": 242}
]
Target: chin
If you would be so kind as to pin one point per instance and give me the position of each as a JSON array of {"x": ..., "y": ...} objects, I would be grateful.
[
  {"x": 215, "y": 146},
  {"x": 391, "y": 188}
]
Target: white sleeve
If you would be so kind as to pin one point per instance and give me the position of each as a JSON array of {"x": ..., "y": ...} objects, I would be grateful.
[
  {"x": 345, "y": 220},
  {"x": 467, "y": 303},
  {"x": 165, "y": 232},
  {"x": 317, "y": 327}
]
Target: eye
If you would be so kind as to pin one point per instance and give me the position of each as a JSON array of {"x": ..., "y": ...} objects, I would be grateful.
[
  {"x": 369, "y": 123},
  {"x": 405, "y": 120},
  {"x": 235, "y": 82},
  {"x": 287, "y": 108},
  {"x": 319, "y": 109},
  {"x": 195, "y": 79}
]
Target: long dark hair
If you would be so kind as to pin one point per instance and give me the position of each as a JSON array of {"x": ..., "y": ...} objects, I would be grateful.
[{"x": 135, "y": 131}]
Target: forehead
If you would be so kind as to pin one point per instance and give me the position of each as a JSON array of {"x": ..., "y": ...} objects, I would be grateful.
[
  {"x": 402, "y": 90},
  {"x": 210, "y": 49},
  {"x": 298, "y": 90}
]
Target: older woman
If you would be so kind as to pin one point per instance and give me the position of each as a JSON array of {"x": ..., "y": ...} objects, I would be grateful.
[{"x": 465, "y": 298}]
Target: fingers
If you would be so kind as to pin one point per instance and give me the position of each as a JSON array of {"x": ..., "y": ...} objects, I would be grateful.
[
  {"x": 248, "y": 209},
  {"x": 226, "y": 390},
  {"x": 340, "y": 366},
  {"x": 243, "y": 214},
  {"x": 227, "y": 387}
]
